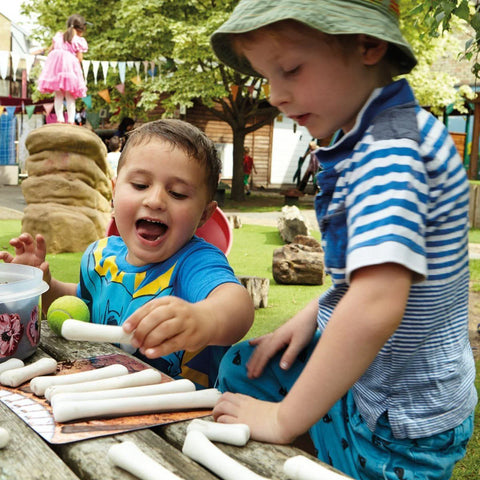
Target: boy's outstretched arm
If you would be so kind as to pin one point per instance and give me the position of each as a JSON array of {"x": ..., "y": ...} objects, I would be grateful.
[
  {"x": 168, "y": 324},
  {"x": 362, "y": 322},
  {"x": 32, "y": 251}
]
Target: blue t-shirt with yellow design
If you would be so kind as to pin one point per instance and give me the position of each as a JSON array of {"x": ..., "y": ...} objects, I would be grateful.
[{"x": 113, "y": 289}]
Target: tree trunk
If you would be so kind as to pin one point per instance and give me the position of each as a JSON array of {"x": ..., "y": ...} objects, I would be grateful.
[{"x": 238, "y": 193}]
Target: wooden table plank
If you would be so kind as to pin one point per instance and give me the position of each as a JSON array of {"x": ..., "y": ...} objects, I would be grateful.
[
  {"x": 27, "y": 456},
  {"x": 263, "y": 458},
  {"x": 88, "y": 459}
]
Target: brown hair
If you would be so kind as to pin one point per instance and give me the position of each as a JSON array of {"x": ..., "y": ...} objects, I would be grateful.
[
  {"x": 74, "y": 22},
  {"x": 182, "y": 135},
  {"x": 114, "y": 143}
]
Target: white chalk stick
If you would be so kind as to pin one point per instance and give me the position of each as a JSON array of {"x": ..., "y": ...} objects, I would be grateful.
[
  {"x": 233, "y": 433},
  {"x": 128, "y": 456},
  {"x": 38, "y": 385},
  {"x": 94, "y": 332},
  {"x": 17, "y": 376},
  {"x": 175, "y": 386},
  {"x": 302, "y": 468},
  {"x": 144, "y": 377},
  {"x": 199, "y": 448},
  {"x": 169, "y": 402},
  {"x": 4, "y": 437},
  {"x": 10, "y": 364}
]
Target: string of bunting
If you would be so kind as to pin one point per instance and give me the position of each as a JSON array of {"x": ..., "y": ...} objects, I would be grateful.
[{"x": 150, "y": 69}]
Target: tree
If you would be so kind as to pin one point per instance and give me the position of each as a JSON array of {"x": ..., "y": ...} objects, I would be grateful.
[{"x": 175, "y": 34}]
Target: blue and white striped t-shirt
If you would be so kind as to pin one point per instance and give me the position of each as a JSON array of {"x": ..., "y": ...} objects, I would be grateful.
[{"x": 394, "y": 190}]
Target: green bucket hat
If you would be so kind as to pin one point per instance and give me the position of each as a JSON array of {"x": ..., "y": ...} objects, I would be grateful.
[{"x": 377, "y": 18}]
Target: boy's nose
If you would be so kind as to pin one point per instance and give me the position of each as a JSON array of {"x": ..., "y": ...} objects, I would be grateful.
[
  {"x": 155, "y": 198},
  {"x": 278, "y": 96}
]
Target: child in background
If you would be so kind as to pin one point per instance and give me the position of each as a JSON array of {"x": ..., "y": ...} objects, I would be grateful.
[
  {"x": 248, "y": 165},
  {"x": 62, "y": 73},
  {"x": 175, "y": 291},
  {"x": 113, "y": 155},
  {"x": 379, "y": 369}
]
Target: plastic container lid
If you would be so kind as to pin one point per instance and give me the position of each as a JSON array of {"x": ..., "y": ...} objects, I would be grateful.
[{"x": 19, "y": 282}]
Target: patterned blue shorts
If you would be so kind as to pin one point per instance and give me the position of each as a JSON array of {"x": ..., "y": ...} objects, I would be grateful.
[{"x": 342, "y": 438}]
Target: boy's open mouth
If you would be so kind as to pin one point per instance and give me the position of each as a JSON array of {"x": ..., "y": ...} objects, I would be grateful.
[{"x": 150, "y": 229}]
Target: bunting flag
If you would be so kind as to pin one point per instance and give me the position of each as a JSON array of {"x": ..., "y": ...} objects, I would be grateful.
[
  {"x": 85, "y": 66},
  {"x": 10, "y": 110},
  {"x": 234, "y": 91},
  {"x": 137, "y": 67},
  {"x": 30, "y": 109},
  {"x": 48, "y": 108},
  {"x": 136, "y": 80},
  {"x": 266, "y": 89},
  {"x": 95, "y": 65},
  {"x": 121, "y": 71},
  {"x": 145, "y": 68},
  {"x": 29, "y": 59},
  {"x": 4, "y": 58},
  {"x": 105, "y": 94},
  {"x": 130, "y": 64},
  {"x": 87, "y": 101},
  {"x": 121, "y": 88},
  {"x": 104, "y": 70},
  {"x": 15, "y": 62},
  {"x": 113, "y": 64}
]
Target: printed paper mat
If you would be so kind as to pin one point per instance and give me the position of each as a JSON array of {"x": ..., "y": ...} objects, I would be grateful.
[{"x": 37, "y": 413}]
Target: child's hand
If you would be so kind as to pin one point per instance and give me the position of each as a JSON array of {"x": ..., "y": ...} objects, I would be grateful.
[
  {"x": 262, "y": 417},
  {"x": 294, "y": 336},
  {"x": 168, "y": 324},
  {"x": 29, "y": 251}
]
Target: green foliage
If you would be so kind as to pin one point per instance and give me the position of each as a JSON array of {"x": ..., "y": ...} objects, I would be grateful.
[
  {"x": 175, "y": 35},
  {"x": 433, "y": 87},
  {"x": 435, "y": 18}
]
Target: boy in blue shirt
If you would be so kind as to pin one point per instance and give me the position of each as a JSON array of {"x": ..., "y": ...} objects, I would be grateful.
[
  {"x": 175, "y": 291},
  {"x": 379, "y": 369}
]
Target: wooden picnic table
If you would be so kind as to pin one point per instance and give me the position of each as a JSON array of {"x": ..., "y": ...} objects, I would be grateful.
[{"x": 29, "y": 456}]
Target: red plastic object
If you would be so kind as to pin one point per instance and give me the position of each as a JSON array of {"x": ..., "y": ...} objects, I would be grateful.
[{"x": 216, "y": 230}]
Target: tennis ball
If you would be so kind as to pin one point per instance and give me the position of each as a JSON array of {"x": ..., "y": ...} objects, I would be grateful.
[{"x": 65, "y": 307}]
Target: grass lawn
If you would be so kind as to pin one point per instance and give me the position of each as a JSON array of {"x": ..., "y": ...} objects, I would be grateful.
[{"x": 251, "y": 255}]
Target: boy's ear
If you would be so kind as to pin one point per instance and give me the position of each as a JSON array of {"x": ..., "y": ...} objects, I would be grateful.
[
  {"x": 372, "y": 49},
  {"x": 208, "y": 212}
]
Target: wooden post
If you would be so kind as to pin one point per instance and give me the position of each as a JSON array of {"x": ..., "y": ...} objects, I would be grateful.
[
  {"x": 473, "y": 168},
  {"x": 258, "y": 288}
]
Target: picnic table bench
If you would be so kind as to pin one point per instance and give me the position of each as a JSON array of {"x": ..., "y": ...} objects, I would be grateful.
[{"x": 29, "y": 456}]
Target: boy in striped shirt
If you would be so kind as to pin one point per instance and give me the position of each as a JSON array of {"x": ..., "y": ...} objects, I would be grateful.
[{"x": 379, "y": 369}]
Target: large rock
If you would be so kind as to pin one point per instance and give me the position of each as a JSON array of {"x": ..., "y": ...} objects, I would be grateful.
[
  {"x": 68, "y": 138},
  {"x": 68, "y": 192},
  {"x": 65, "y": 228},
  {"x": 292, "y": 223},
  {"x": 70, "y": 165},
  {"x": 298, "y": 264},
  {"x": 63, "y": 190}
]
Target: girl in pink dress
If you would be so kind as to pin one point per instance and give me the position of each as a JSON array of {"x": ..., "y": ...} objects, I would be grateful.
[{"x": 62, "y": 73}]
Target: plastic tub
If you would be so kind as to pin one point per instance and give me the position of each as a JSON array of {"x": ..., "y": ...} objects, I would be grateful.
[{"x": 21, "y": 287}]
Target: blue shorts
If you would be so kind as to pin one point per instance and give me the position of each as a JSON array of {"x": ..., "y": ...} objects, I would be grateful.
[{"x": 341, "y": 438}]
